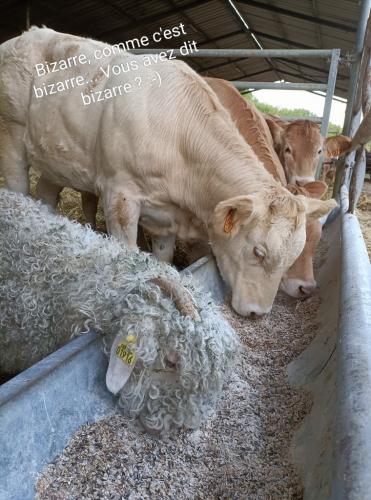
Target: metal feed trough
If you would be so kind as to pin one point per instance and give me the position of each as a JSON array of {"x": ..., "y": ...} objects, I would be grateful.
[{"x": 42, "y": 407}]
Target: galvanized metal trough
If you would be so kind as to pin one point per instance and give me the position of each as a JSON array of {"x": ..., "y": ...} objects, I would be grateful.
[{"x": 42, "y": 407}]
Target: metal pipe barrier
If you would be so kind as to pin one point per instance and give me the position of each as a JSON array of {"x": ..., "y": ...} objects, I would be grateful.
[
  {"x": 318, "y": 53},
  {"x": 331, "y": 83},
  {"x": 355, "y": 67},
  {"x": 352, "y": 471},
  {"x": 328, "y": 87},
  {"x": 279, "y": 85},
  {"x": 353, "y": 109}
]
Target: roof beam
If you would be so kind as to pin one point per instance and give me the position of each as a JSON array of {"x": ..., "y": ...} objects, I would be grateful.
[
  {"x": 189, "y": 21},
  {"x": 260, "y": 34},
  {"x": 120, "y": 10},
  {"x": 284, "y": 34},
  {"x": 246, "y": 28},
  {"x": 296, "y": 75},
  {"x": 299, "y": 15},
  {"x": 151, "y": 19},
  {"x": 220, "y": 65},
  {"x": 286, "y": 72},
  {"x": 309, "y": 66},
  {"x": 240, "y": 59},
  {"x": 12, "y": 5},
  {"x": 57, "y": 19},
  {"x": 268, "y": 70},
  {"x": 318, "y": 27}
]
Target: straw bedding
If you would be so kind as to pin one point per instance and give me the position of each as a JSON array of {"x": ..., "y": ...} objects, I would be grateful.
[{"x": 243, "y": 452}]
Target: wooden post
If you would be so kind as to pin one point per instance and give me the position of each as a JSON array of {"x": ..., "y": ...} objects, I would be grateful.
[{"x": 363, "y": 134}]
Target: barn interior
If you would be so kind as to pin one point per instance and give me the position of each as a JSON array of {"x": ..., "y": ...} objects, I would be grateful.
[
  {"x": 212, "y": 24},
  {"x": 322, "y": 428}
]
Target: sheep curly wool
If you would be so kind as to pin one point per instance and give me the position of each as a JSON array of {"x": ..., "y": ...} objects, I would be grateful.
[{"x": 58, "y": 279}]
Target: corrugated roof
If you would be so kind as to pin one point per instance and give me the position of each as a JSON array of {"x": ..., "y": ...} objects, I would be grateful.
[{"x": 322, "y": 24}]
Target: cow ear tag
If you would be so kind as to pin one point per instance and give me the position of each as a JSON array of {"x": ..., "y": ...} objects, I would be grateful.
[
  {"x": 121, "y": 363},
  {"x": 228, "y": 222}
]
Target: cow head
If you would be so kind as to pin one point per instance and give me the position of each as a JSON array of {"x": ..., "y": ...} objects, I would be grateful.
[
  {"x": 256, "y": 238},
  {"x": 299, "y": 280},
  {"x": 299, "y": 145}
]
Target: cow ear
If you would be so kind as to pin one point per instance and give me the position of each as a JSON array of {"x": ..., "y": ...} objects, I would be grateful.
[
  {"x": 316, "y": 189},
  {"x": 277, "y": 130},
  {"x": 315, "y": 209},
  {"x": 230, "y": 215},
  {"x": 295, "y": 189},
  {"x": 337, "y": 145}
]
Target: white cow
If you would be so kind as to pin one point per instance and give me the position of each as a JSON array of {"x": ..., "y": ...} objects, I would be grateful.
[{"x": 166, "y": 155}]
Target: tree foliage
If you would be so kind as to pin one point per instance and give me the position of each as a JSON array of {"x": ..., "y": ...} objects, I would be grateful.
[{"x": 299, "y": 112}]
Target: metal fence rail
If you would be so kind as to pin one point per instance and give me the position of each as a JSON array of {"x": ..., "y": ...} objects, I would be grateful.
[
  {"x": 307, "y": 53},
  {"x": 352, "y": 471},
  {"x": 279, "y": 85},
  {"x": 328, "y": 87},
  {"x": 331, "y": 82},
  {"x": 354, "y": 109}
]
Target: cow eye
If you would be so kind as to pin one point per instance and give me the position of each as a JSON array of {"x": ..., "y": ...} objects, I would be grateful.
[
  {"x": 259, "y": 254},
  {"x": 319, "y": 151},
  {"x": 287, "y": 150}
]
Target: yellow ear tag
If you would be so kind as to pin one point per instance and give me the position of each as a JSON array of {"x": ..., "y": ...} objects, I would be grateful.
[
  {"x": 125, "y": 350},
  {"x": 228, "y": 222}
]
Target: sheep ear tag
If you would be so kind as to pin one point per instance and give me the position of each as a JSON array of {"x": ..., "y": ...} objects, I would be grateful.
[{"x": 121, "y": 362}]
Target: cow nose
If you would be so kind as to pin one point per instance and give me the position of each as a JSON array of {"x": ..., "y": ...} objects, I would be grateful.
[
  {"x": 307, "y": 291},
  {"x": 249, "y": 309}
]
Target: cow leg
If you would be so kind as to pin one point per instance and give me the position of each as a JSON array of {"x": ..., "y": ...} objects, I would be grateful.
[
  {"x": 48, "y": 192},
  {"x": 122, "y": 216},
  {"x": 163, "y": 247},
  {"x": 89, "y": 206},
  {"x": 13, "y": 159},
  {"x": 197, "y": 250},
  {"x": 142, "y": 241}
]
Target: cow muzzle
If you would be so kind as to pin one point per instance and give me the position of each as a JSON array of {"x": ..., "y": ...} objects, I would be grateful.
[
  {"x": 301, "y": 180},
  {"x": 299, "y": 289},
  {"x": 252, "y": 311}
]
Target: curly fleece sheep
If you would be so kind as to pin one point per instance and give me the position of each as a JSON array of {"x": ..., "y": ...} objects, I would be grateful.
[{"x": 163, "y": 334}]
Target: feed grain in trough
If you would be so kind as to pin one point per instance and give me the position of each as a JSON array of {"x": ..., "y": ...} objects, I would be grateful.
[{"x": 243, "y": 452}]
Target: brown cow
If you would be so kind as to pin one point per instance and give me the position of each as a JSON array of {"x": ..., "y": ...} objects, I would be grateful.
[
  {"x": 299, "y": 280},
  {"x": 299, "y": 145}
]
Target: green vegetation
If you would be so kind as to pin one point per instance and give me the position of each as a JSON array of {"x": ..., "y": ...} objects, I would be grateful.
[{"x": 275, "y": 110}]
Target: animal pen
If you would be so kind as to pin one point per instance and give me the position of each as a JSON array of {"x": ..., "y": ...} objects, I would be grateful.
[{"x": 42, "y": 407}]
